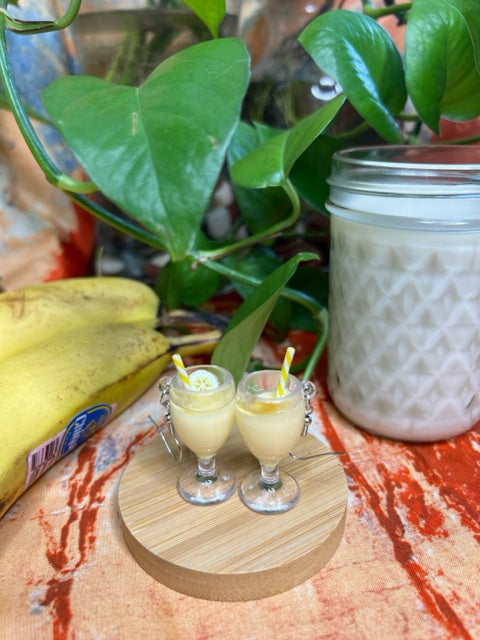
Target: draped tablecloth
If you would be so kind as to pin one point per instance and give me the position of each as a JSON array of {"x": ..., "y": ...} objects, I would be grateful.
[{"x": 408, "y": 566}]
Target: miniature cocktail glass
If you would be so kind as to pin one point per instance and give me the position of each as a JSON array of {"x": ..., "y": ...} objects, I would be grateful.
[
  {"x": 271, "y": 426},
  {"x": 202, "y": 420}
]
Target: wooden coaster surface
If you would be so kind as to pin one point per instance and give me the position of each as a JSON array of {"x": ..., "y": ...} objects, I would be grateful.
[{"x": 226, "y": 551}]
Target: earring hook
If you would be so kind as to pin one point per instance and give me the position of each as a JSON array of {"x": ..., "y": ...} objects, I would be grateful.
[{"x": 169, "y": 437}]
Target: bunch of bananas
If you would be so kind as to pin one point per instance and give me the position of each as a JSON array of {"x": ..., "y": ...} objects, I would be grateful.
[{"x": 74, "y": 354}]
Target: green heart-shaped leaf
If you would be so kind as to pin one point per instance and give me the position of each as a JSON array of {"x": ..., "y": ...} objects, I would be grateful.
[
  {"x": 270, "y": 163},
  {"x": 360, "y": 55},
  {"x": 441, "y": 74},
  {"x": 157, "y": 150}
]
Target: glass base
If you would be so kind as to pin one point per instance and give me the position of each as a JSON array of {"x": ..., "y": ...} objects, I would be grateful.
[
  {"x": 206, "y": 491},
  {"x": 276, "y": 499}
]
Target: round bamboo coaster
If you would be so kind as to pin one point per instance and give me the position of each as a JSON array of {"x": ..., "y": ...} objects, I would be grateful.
[{"x": 226, "y": 551}]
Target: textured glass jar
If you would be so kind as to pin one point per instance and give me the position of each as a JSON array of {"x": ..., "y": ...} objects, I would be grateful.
[{"x": 404, "y": 348}]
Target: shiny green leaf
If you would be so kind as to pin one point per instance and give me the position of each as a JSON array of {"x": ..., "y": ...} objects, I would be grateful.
[
  {"x": 269, "y": 164},
  {"x": 360, "y": 55},
  {"x": 470, "y": 11},
  {"x": 157, "y": 150},
  {"x": 441, "y": 74}
]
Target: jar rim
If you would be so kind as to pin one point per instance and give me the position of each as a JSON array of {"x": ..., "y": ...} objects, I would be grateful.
[
  {"x": 439, "y": 157},
  {"x": 412, "y": 185},
  {"x": 411, "y": 170}
]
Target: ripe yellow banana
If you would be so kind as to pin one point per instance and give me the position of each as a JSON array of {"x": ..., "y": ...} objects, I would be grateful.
[
  {"x": 35, "y": 314},
  {"x": 57, "y": 393}
]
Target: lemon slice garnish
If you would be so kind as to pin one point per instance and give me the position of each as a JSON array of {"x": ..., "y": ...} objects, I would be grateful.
[{"x": 202, "y": 380}]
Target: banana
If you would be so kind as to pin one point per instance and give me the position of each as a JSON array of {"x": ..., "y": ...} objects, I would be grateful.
[
  {"x": 36, "y": 313},
  {"x": 57, "y": 393}
]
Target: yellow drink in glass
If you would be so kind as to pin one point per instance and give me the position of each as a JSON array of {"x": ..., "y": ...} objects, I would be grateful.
[
  {"x": 203, "y": 418},
  {"x": 203, "y": 421},
  {"x": 270, "y": 426}
]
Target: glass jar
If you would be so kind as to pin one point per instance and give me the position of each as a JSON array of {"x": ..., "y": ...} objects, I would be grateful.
[{"x": 404, "y": 301}]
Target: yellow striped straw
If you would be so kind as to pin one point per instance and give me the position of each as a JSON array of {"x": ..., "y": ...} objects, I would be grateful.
[
  {"x": 287, "y": 361},
  {"x": 181, "y": 370}
]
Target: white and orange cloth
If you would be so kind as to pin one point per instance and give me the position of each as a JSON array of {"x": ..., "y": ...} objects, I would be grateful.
[{"x": 406, "y": 569}]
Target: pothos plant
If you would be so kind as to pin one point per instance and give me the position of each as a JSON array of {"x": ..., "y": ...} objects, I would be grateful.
[{"x": 156, "y": 151}]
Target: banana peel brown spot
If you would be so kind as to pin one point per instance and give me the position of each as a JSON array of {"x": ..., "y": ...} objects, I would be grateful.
[{"x": 17, "y": 304}]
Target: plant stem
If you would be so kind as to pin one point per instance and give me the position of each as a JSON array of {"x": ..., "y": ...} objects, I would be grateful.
[
  {"x": 314, "y": 357},
  {"x": 267, "y": 234},
  {"x": 123, "y": 225},
  {"x": 33, "y": 113},
  {"x": 40, "y": 26},
  {"x": 408, "y": 117},
  {"x": 294, "y": 295},
  {"x": 373, "y": 12},
  {"x": 354, "y": 132},
  {"x": 52, "y": 172}
]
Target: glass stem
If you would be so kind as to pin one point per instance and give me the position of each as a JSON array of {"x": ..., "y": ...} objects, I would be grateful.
[
  {"x": 270, "y": 476},
  {"x": 206, "y": 469}
]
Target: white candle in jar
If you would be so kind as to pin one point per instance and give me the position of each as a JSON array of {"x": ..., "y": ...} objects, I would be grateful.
[{"x": 404, "y": 348}]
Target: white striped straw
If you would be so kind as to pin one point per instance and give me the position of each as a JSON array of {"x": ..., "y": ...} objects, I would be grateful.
[
  {"x": 181, "y": 370},
  {"x": 287, "y": 361}
]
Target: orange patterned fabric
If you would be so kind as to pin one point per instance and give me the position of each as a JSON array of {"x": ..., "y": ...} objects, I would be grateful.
[{"x": 407, "y": 567}]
